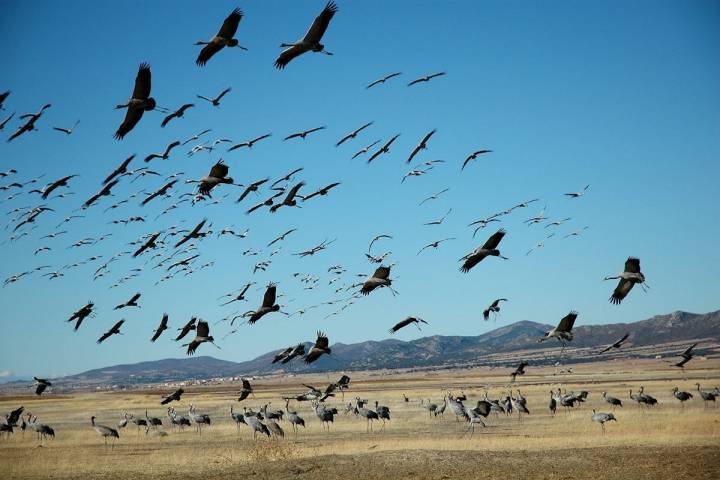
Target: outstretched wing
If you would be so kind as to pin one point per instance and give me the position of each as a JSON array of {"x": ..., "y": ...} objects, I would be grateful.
[
  {"x": 219, "y": 170},
  {"x": 567, "y": 322},
  {"x": 230, "y": 25},
  {"x": 401, "y": 324},
  {"x": 294, "y": 190},
  {"x": 203, "y": 329},
  {"x": 621, "y": 291},
  {"x": 632, "y": 265},
  {"x": 142, "y": 83},
  {"x": 192, "y": 346},
  {"x": 317, "y": 29},
  {"x": 382, "y": 273},
  {"x": 269, "y": 298},
  {"x": 167, "y": 119},
  {"x": 132, "y": 117},
  {"x": 322, "y": 341},
  {"x": 494, "y": 240},
  {"x": 483, "y": 408},
  {"x": 689, "y": 349},
  {"x": 287, "y": 55},
  {"x": 206, "y": 54},
  {"x": 470, "y": 261}
]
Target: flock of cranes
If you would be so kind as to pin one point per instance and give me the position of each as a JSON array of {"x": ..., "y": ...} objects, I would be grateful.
[
  {"x": 176, "y": 251},
  {"x": 265, "y": 422}
]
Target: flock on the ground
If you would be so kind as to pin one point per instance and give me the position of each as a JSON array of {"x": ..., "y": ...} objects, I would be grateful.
[
  {"x": 170, "y": 251},
  {"x": 265, "y": 421}
]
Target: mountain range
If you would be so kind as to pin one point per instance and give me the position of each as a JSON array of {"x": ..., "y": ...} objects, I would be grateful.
[{"x": 663, "y": 335}]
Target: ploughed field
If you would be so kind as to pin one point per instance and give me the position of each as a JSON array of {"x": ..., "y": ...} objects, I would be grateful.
[{"x": 665, "y": 441}]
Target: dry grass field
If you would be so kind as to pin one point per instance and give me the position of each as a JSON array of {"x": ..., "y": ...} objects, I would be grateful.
[{"x": 664, "y": 442}]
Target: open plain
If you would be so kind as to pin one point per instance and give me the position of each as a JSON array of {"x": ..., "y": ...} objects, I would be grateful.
[{"x": 665, "y": 441}]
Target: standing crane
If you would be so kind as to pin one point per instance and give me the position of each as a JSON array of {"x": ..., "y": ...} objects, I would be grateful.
[
  {"x": 256, "y": 425},
  {"x": 105, "y": 431},
  {"x": 383, "y": 413},
  {"x": 293, "y": 417},
  {"x": 326, "y": 415},
  {"x": 615, "y": 402},
  {"x": 682, "y": 396},
  {"x": 198, "y": 419},
  {"x": 601, "y": 418},
  {"x": 271, "y": 424},
  {"x": 707, "y": 396},
  {"x": 366, "y": 413}
]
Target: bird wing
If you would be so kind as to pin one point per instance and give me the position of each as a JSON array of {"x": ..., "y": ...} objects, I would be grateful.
[
  {"x": 322, "y": 341},
  {"x": 483, "y": 407},
  {"x": 494, "y": 240},
  {"x": 167, "y": 119},
  {"x": 230, "y": 25},
  {"x": 206, "y": 54},
  {"x": 142, "y": 82},
  {"x": 223, "y": 93},
  {"x": 170, "y": 147},
  {"x": 622, "y": 340},
  {"x": 246, "y": 385},
  {"x": 192, "y": 346},
  {"x": 428, "y": 136},
  {"x": 287, "y": 55},
  {"x": 203, "y": 329},
  {"x": 269, "y": 297},
  {"x": 120, "y": 169},
  {"x": 330, "y": 187},
  {"x": 132, "y": 117},
  {"x": 623, "y": 288},
  {"x": 314, "y": 194},
  {"x": 567, "y": 322},
  {"x": 294, "y": 190},
  {"x": 198, "y": 227},
  {"x": 382, "y": 273},
  {"x": 219, "y": 170},
  {"x": 632, "y": 265},
  {"x": 390, "y": 142},
  {"x": 401, "y": 324},
  {"x": 320, "y": 24},
  {"x": 689, "y": 349}
]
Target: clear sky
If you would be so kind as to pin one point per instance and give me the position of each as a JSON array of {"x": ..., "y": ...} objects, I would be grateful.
[{"x": 620, "y": 95}]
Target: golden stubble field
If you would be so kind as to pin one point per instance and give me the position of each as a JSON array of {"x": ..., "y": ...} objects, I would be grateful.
[{"x": 665, "y": 442}]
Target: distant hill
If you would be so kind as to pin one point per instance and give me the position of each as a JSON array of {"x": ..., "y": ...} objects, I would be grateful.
[{"x": 500, "y": 346}]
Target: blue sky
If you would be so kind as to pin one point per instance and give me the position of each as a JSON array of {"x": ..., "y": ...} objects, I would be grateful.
[{"x": 621, "y": 96}]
